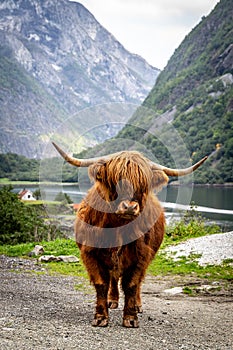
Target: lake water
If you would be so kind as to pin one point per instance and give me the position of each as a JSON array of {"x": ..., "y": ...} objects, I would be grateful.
[{"x": 215, "y": 203}]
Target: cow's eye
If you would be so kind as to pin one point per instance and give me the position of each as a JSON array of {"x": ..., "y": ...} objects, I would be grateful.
[{"x": 98, "y": 177}]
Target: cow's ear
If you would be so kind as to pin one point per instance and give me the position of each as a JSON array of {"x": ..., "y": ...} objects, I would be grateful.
[
  {"x": 97, "y": 172},
  {"x": 159, "y": 180}
]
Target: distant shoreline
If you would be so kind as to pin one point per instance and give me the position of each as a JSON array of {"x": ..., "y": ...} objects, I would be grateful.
[
  {"x": 37, "y": 183},
  {"x": 176, "y": 184}
]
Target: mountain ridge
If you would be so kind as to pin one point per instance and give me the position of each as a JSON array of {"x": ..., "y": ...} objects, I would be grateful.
[{"x": 65, "y": 61}]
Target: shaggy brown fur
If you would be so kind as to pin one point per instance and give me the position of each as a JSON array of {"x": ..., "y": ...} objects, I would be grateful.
[{"x": 119, "y": 228}]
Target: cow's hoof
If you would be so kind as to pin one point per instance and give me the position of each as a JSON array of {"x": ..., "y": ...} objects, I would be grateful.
[
  {"x": 100, "y": 322},
  {"x": 113, "y": 304},
  {"x": 130, "y": 322}
]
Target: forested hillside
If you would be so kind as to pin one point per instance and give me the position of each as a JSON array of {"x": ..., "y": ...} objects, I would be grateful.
[
  {"x": 189, "y": 112},
  {"x": 197, "y": 85},
  {"x": 15, "y": 167}
]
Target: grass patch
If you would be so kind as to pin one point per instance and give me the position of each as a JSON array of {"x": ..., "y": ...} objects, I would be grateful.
[
  {"x": 6, "y": 181},
  {"x": 19, "y": 250},
  {"x": 85, "y": 287},
  {"x": 164, "y": 265},
  {"x": 70, "y": 269},
  {"x": 188, "y": 290},
  {"x": 56, "y": 247},
  {"x": 61, "y": 247},
  {"x": 191, "y": 226}
]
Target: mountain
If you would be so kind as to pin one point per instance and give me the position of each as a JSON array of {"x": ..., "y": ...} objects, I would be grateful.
[
  {"x": 56, "y": 60},
  {"x": 189, "y": 112}
]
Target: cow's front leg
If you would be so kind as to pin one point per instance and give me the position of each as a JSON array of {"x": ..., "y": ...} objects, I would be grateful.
[
  {"x": 130, "y": 318},
  {"x": 99, "y": 277},
  {"x": 130, "y": 285},
  {"x": 101, "y": 315}
]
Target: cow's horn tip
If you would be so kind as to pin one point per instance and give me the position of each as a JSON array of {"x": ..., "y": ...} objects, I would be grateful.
[{"x": 56, "y": 146}]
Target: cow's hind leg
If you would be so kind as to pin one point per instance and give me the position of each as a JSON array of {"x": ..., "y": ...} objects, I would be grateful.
[
  {"x": 113, "y": 293},
  {"x": 138, "y": 299}
]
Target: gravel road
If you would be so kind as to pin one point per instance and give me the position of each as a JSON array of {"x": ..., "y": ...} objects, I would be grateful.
[{"x": 41, "y": 312}]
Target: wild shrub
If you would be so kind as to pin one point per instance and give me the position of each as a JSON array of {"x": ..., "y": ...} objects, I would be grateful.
[
  {"x": 20, "y": 223},
  {"x": 192, "y": 224}
]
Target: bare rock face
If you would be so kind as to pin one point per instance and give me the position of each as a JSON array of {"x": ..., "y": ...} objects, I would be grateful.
[{"x": 56, "y": 59}]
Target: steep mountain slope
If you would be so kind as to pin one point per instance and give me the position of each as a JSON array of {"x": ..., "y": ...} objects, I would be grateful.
[
  {"x": 56, "y": 59},
  {"x": 189, "y": 112}
]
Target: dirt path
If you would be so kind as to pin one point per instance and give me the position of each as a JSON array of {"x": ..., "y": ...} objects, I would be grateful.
[{"x": 39, "y": 311}]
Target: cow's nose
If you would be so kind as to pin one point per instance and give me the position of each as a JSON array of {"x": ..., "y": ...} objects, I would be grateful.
[{"x": 128, "y": 208}]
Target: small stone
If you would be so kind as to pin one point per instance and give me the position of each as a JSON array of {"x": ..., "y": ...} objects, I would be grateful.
[
  {"x": 63, "y": 258},
  {"x": 37, "y": 250},
  {"x": 173, "y": 291},
  {"x": 48, "y": 258},
  {"x": 68, "y": 258}
]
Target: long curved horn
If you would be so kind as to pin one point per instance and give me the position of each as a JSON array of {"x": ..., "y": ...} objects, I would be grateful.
[
  {"x": 79, "y": 162},
  {"x": 179, "y": 172},
  {"x": 90, "y": 161}
]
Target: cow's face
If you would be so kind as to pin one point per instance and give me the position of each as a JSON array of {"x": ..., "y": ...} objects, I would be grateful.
[{"x": 125, "y": 180}]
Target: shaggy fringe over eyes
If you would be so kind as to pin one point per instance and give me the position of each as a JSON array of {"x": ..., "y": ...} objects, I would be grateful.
[{"x": 131, "y": 167}]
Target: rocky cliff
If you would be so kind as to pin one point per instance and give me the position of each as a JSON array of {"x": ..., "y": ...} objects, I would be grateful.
[{"x": 55, "y": 60}]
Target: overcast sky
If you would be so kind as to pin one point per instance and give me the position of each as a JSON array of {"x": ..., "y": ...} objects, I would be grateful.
[{"x": 152, "y": 29}]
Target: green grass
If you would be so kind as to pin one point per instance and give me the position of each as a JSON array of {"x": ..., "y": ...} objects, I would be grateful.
[
  {"x": 191, "y": 226},
  {"x": 162, "y": 265},
  {"x": 70, "y": 269},
  {"x": 20, "y": 250},
  {"x": 57, "y": 247},
  {"x": 6, "y": 181}
]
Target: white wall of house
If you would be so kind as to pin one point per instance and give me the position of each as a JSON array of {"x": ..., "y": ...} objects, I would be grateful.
[{"x": 28, "y": 196}]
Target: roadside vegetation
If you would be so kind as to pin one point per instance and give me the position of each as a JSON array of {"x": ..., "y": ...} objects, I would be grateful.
[
  {"x": 22, "y": 222},
  {"x": 23, "y": 226}
]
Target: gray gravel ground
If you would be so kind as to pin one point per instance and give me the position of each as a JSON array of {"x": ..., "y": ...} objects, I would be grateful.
[{"x": 40, "y": 312}]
